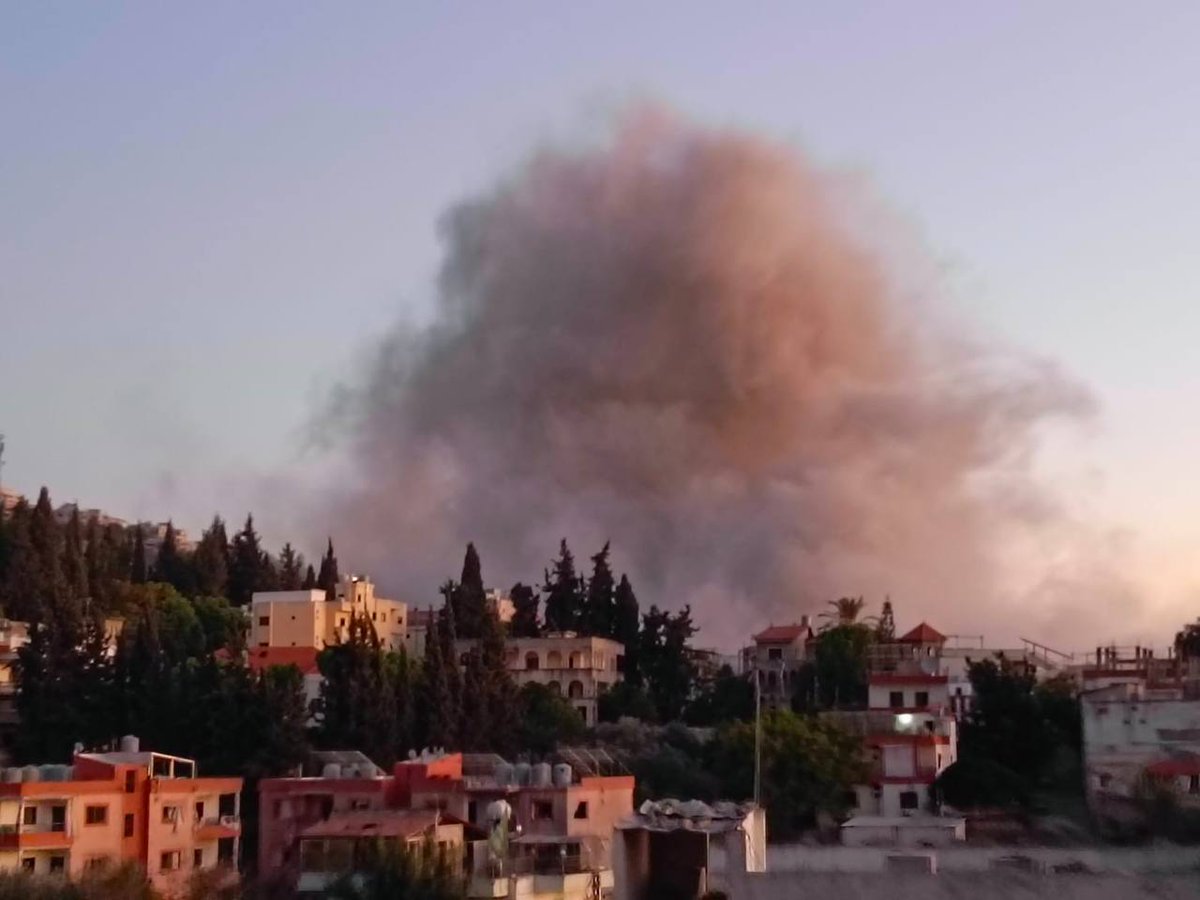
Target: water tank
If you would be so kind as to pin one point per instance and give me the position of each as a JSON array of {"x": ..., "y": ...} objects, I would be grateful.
[
  {"x": 540, "y": 775},
  {"x": 130, "y": 744},
  {"x": 521, "y": 773},
  {"x": 331, "y": 770},
  {"x": 12, "y": 775},
  {"x": 562, "y": 775},
  {"x": 30, "y": 773},
  {"x": 48, "y": 773},
  {"x": 503, "y": 773}
]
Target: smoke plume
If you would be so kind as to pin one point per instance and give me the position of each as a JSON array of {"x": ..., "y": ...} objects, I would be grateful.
[{"x": 686, "y": 341}]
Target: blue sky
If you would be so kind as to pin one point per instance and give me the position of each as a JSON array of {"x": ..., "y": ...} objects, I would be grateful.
[{"x": 207, "y": 210}]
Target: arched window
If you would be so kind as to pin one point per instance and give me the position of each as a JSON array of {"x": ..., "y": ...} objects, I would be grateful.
[
  {"x": 575, "y": 690},
  {"x": 555, "y": 686},
  {"x": 576, "y": 661},
  {"x": 554, "y": 660},
  {"x": 531, "y": 660}
]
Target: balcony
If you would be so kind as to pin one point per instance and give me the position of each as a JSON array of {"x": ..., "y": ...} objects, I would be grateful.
[
  {"x": 882, "y": 722},
  {"x": 16, "y": 837},
  {"x": 218, "y": 827}
]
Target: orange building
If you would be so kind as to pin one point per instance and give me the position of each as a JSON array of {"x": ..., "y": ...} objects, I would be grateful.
[{"x": 112, "y": 807}]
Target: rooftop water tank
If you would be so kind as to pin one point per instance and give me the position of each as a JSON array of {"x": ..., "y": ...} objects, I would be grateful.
[
  {"x": 521, "y": 772},
  {"x": 540, "y": 775},
  {"x": 562, "y": 775},
  {"x": 503, "y": 773},
  {"x": 30, "y": 773},
  {"x": 331, "y": 770},
  {"x": 130, "y": 744},
  {"x": 12, "y": 775}
]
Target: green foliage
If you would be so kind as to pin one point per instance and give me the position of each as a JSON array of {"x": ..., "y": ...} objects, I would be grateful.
[
  {"x": 125, "y": 882},
  {"x": 564, "y": 593},
  {"x": 727, "y": 697},
  {"x": 837, "y": 676},
  {"x": 210, "y": 562},
  {"x": 468, "y": 597},
  {"x": 546, "y": 720},
  {"x": 525, "y": 621},
  {"x": 356, "y": 708},
  {"x": 223, "y": 625},
  {"x": 250, "y": 567},
  {"x": 665, "y": 760},
  {"x": 626, "y": 700},
  {"x": 291, "y": 568},
  {"x": 625, "y": 628},
  {"x": 139, "y": 571},
  {"x": 808, "y": 766},
  {"x": 393, "y": 872},
  {"x": 328, "y": 577},
  {"x": 599, "y": 611},
  {"x": 664, "y": 661}
]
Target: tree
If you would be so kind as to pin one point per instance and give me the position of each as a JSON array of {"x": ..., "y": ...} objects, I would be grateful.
[
  {"x": 139, "y": 571},
  {"x": 665, "y": 660},
  {"x": 223, "y": 625},
  {"x": 469, "y": 597},
  {"x": 405, "y": 697},
  {"x": 499, "y": 690},
  {"x": 310, "y": 579},
  {"x": 250, "y": 568},
  {"x": 546, "y": 719},
  {"x": 74, "y": 566},
  {"x": 21, "y": 584},
  {"x": 327, "y": 577},
  {"x": 171, "y": 567},
  {"x": 210, "y": 562},
  {"x": 45, "y": 539},
  {"x": 725, "y": 698},
  {"x": 564, "y": 593},
  {"x": 437, "y": 712},
  {"x": 837, "y": 675},
  {"x": 808, "y": 766},
  {"x": 388, "y": 870},
  {"x": 291, "y": 569},
  {"x": 843, "y": 611},
  {"x": 525, "y": 611},
  {"x": 625, "y": 628},
  {"x": 625, "y": 700},
  {"x": 356, "y": 707},
  {"x": 599, "y": 611},
  {"x": 885, "y": 629}
]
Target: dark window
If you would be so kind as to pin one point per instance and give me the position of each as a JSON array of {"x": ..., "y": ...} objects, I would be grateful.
[
  {"x": 130, "y": 782},
  {"x": 542, "y": 810},
  {"x": 225, "y": 852},
  {"x": 581, "y": 811},
  {"x": 28, "y": 863},
  {"x": 29, "y": 817},
  {"x": 95, "y": 815},
  {"x": 169, "y": 860},
  {"x": 922, "y": 699},
  {"x": 58, "y": 818},
  {"x": 1194, "y": 784},
  {"x": 531, "y": 660},
  {"x": 264, "y": 620},
  {"x": 227, "y": 805},
  {"x": 170, "y": 813},
  {"x": 199, "y": 810},
  {"x": 128, "y": 824},
  {"x": 775, "y": 654},
  {"x": 96, "y": 862},
  {"x": 472, "y": 811},
  {"x": 896, "y": 699},
  {"x": 582, "y": 710},
  {"x": 909, "y": 800},
  {"x": 58, "y": 863},
  {"x": 197, "y": 858}
]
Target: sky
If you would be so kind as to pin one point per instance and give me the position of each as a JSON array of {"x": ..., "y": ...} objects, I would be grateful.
[{"x": 208, "y": 210}]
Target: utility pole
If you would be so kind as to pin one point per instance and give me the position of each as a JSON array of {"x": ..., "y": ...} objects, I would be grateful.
[
  {"x": 757, "y": 736},
  {"x": 1, "y": 460}
]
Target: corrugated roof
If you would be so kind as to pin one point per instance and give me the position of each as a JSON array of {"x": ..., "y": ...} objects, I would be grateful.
[
  {"x": 779, "y": 633},
  {"x": 303, "y": 658},
  {"x": 924, "y": 634},
  {"x": 406, "y": 823}
]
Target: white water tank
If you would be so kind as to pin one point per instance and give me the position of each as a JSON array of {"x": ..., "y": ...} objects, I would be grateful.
[
  {"x": 503, "y": 773},
  {"x": 130, "y": 744},
  {"x": 331, "y": 770},
  {"x": 521, "y": 774},
  {"x": 30, "y": 773},
  {"x": 12, "y": 775},
  {"x": 540, "y": 775},
  {"x": 562, "y": 775}
]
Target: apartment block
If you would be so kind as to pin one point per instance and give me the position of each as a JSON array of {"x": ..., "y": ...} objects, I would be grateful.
[
  {"x": 578, "y": 668},
  {"x": 112, "y": 807},
  {"x": 310, "y": 619}
]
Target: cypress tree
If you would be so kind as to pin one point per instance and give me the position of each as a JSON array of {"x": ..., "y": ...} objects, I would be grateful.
[
  {"x": 20, "y": 586},
  {"x": 886, "y": 629},
  {"x": 357, "y": 707},
  {"x": 436, "y": 711},
  {"x": 74, "y": 566},
  {"x": 137, "y": 572},
  {"x": 469, "y": 598},
  {"x": 171, "y": 567},
  {"x": 525, "y": 611},
  {"x": 45, "y": 537},
  {"x": 310, "y": 579},
  {"x": 599, "y": 617},
  {"x": 499, "y": 690},
  {"x": 474, "y": 731},
  {"x": 564, "y": 594},
  {"x": 291, "y": 568},
  {"x": 247, "y": 565},
  {"x": 625, "y": 628},
  {"x": 93, "y": 564},
  {"x": 404, "y": 695},
  {"x": 328, "y": 577},
  {"x": 210, "y": 562}
]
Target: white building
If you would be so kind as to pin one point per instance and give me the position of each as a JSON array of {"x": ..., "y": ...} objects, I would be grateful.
[
  {"x": 779, "y": 651},
  {"x": 310, "y": 619}
]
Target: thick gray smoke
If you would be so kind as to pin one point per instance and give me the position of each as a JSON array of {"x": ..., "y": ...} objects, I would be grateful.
[{"x": 676, "y": 340}]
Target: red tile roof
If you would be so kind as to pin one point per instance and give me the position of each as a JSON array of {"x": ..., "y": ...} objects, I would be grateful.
[
  {"x": 303, "y": 658},
  {"x": 781, "y": 633},
  {"x": 924, "y": 634}
]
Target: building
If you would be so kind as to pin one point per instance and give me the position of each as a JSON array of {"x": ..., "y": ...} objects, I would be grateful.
[
  {"x": 958, "y": 653},
  {"x": 909, "y": 730},
  {"x": 9, "y": 500},
  {"x": 63, "y": 515},
  {"x": 112, "y": 807},
  {"x": 779, "y": 652},
  {"x": 13, "y": 635},
  {"x": 259, "y": 659},
  {"x": 666, "y": 849},
  {"x": 1139, "y": 740},
  {"x": 310, "y": 619},
  {"x": 562, "y": 818},
  {"x": 579, "y": 668}
]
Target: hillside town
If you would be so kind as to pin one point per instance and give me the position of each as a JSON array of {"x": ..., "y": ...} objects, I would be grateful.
[{"x": 224, "y": 721}]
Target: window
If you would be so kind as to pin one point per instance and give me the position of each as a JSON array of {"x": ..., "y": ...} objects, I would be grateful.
[
  {"x": 128, "y": 824},
  {"x": 199, "y": 810},
  {"x": 472, "y": 811},
  {"x": 896, "y": 699},
  {"x": 582, "y": 710},
  {"x": 909, "y": 800},
  {"x": 225, "y": 852},
  {"x": 95, "y": 815},
  {"x": 581, "y": 811},
  {"x": 775, "y": 654},
  {"x": 58, "y": 864},
  {"x": 531, "y": 660},
  {"x": 169, "y": 861},
  {"x": 28, "y": 863},
  {"x": 922, "y": 699},
  {"x": 264, "y": 620},
  {"x": 374, "y": 618},
  {"x": 360, "y": 804},
  {"x": 555, "y": 686},
  {"x": 29, "y": 816},
  {"x": 58, "y": 818},
  {"x": 170, "y": 814},
  {"x": 1194, "y": 784},
  {"x": 94, "y": 863},
  {"x": 542, "y": 810},
  {"x": 130, "y": 782},
  {"x": 575, "y": 690},
  {"x": 197, "y": 858}
]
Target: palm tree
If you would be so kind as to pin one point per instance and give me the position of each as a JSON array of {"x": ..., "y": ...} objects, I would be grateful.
[{"x": 844, "y": 611}]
